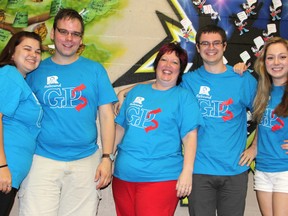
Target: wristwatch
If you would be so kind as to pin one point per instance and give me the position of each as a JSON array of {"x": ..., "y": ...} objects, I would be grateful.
[{"x": 110, "y": 156}]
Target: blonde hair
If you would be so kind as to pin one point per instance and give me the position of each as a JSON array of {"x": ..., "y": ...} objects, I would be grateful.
[{"x": 265, "y": 84}]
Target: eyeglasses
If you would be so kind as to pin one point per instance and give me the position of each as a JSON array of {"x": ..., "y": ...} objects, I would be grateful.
[
  {"x": 65, "y": 33},
  {"x": 206, "y": 44}
]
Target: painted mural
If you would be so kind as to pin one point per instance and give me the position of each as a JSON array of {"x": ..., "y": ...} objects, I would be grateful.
[
  {"x": 37, "y": 16},
  {"x": 248, "y": 24}
]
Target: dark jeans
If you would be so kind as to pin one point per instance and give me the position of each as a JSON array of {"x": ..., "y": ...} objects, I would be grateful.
[
  {"x": 7, "y": 201},
  {"x": 222, "y": 194}
]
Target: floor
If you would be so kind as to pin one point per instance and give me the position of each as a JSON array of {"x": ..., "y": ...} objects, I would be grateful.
[{"x": 107, "y": 205}]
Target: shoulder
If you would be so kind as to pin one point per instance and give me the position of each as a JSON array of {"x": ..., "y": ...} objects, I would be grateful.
[
  {"x": 9, "y": 69},
  {"x": 11, "y": 78},
  {"x": 245, "y": 75},
  {"x": 89, "y": 62},
  {"x": 10, "y": 72},
  {"x": 248, "y": 75},
  {"x": 91, "y": 65},
  {"x": 193, "y": 73},
  {"x": 185, "y": 93},
  {"x": 141, "y": 87}
]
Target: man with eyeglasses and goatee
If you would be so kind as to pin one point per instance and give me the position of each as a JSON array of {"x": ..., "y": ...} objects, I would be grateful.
[{"x": 68, "y": 168}]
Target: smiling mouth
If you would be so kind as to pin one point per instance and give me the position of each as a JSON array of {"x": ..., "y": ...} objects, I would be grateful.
[
  {"x": 167, "y": 72},
  {"x": 277, "y": 69}
]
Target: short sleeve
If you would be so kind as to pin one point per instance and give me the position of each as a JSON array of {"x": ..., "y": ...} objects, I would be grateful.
[
  {"x": 106, "y": 91},
  {"x": 11, "y": 93},
  {"x": 190, "y": 117},
  {"x": 249, "y": 90}
]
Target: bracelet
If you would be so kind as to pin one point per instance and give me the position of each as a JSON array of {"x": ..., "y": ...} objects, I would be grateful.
[{"x": 5, "y": 165}]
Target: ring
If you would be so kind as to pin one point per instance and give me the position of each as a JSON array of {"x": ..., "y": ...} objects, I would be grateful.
[{"x": 9, "y": 186}]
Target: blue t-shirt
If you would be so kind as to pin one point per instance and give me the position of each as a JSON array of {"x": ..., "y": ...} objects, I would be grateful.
[
  {"x": 70, "y": 96},
  {"x": 223, "y": 100},
  {"x": 272, "y": 131},
  {"x": 22, "y": 115},
  {"x": 154, "y": 123}
]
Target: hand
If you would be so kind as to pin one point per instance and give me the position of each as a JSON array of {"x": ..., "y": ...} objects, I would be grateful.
[
  {"x": 116, "y": 108},
  {"x": 104, "y": 173},
  {"x": 240, "y": 68},
  {"x": 284, "y": 146},
  {"x": 117, "y": 105},
  {"x": 248, "y": 156},
  {"x": 5, "y": 180},
  {"x": 184, "y": 184}
]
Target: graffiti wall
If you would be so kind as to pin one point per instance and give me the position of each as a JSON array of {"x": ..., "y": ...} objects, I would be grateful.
[{"x": 125, "y": 35}]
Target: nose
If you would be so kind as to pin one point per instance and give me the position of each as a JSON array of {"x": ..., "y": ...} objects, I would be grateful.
[
  {"x": 211, "y": 45},
  {"x": 69, "y": 36},
  {"x": 169, "y": 63},
  {"x": 276, "y": 61},
  {"x": 33, "y": 53}
]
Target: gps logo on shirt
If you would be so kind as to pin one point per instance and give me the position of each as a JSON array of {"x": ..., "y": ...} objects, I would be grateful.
[
  {"x": 56, "y": 96},
  {"x": 140, "y": 117},
  {"x": 204, "y": 90},
  {"x": 272, "y": 121},
  {"x": 138, "y": 100},
  {"x": 52, "y": 80}
]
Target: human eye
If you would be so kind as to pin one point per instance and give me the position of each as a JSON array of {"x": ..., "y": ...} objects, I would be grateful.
[
  {"x": 283, "y": 57},
  {"x": 269, "y": 58},
  {"x": 38, "y": 52},
  {"x": 63, "y": 32},
  {"x": 217, "y": 43},
  {"x": 176, "y": 62},
  {"x": 76, "y": 34},
  {"x": 27, "y": 48},
  {"x": 204, "y": 43}
]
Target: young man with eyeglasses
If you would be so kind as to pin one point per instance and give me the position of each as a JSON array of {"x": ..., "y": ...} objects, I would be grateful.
[
  {"x": 68, "y": 170},
  {"x": 220, "y": 169}
]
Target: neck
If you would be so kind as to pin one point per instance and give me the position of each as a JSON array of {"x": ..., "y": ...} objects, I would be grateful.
[
  {"x": 215, "y": 69},
  {"x": 160, "y": 86},
  {"x": 279, "y": 82},
  {"x": 61, "y": 60}
]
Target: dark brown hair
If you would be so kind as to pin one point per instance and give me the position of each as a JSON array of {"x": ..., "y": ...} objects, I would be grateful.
[
  {"x": 15, "y": 40},
  {"x": 69, "y": 14}
]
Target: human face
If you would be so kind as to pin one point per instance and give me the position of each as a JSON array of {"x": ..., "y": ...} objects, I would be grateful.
[
  {"x": 67, "y": 38},
  {"x": 167, "y": 71},
  {"x": 276, "y": 63},
  {"x": 211, "y": 48},
  {"x": 27, "y": 55}
]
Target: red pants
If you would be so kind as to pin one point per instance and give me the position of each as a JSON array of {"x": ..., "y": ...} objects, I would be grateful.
[{"x": 144, "y": 198}]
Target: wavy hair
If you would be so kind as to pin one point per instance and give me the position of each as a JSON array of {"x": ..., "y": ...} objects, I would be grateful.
[{"x": 265, "y": 84}]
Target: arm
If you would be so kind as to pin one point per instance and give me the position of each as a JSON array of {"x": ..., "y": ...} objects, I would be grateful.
[
  {"x": 284, "y": 146},
  {"x": 5, "y": 175},
  {"x": 122, "y": 94},
  {"x": 118, "y": 137},
  {"x": 107, "y": 131},
  {"x": 184, "y": 183},
  {"x": 250, "y": 153}
]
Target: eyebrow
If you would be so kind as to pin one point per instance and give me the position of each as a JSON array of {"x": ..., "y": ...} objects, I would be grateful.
[{"x": 30, "y": 46}]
